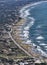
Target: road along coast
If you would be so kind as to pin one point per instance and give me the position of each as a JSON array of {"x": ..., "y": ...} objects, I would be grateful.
[
  {"x": 20, "y": 32},
  {"x": 19, "y": 35}
]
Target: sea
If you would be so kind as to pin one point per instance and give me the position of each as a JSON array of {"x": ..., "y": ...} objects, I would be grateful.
[{"x": 36, "y": 17}]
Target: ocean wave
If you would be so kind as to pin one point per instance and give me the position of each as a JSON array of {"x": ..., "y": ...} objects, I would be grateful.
[
  {"x": 24, "y": 13},
  {"x": 41, "y": 51},
  {"x": 40, "y": 37},
  {"x": 25, "y": 9}
]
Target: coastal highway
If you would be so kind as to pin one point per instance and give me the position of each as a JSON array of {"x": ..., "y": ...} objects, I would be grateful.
[{"x": 19, "y": 45}]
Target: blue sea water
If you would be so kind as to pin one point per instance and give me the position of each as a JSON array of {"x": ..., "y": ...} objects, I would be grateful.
[
  {"x": 38, "y": 31},
  {"x": 36, "y": 25}
]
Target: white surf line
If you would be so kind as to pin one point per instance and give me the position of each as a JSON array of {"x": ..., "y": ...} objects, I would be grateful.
[
  {"x": 42, "y": 44},
  {"x": 24, "y": 13},
  {"x": 27, "y": 13},
  {"x": 26, "y": 28},
  {"x": 39, "y": 37},
  {"x": 41, "y": 51}
]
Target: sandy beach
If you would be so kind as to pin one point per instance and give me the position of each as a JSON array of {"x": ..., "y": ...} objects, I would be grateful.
[{"x": 20, "y": 39}]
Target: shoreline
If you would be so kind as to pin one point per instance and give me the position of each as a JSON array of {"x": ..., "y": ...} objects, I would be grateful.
[
  {"x": 18, "y": 37},
  {"x": 21, "y": 40},
  {"x": 24, "y": 14},
  {"x": 28, "y": 5}
]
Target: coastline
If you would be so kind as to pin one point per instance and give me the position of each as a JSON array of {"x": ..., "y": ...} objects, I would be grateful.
[
  {"x": 18, "y": 34},
  {"x": 21, "y": 40},
  {"x": 28, "y": 5},
  {"x": 24, "y": 14}
]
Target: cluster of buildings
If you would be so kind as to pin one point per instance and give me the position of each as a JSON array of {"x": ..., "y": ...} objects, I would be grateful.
[
  {"x": 25, "y": 61},
  {"x": 10, "y": 54}
]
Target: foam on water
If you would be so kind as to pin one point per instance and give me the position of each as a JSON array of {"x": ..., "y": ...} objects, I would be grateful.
[
  {"x": 26, "y": 32},
  {"x": 24, "y": 13},
  {"x": 40, "y": 37},
  {"x": 43, "y": 44},
  {"x": 26, "y": 35},
  {"x": 26, "y": 28},
  {"x": 28, "y": 41},
  {"x": 42, "y": 52}
]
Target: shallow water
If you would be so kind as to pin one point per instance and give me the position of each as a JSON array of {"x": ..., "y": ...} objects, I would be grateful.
[
  {"x": 36, "y": 17},
  {"x": 38, "y": 32}
]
